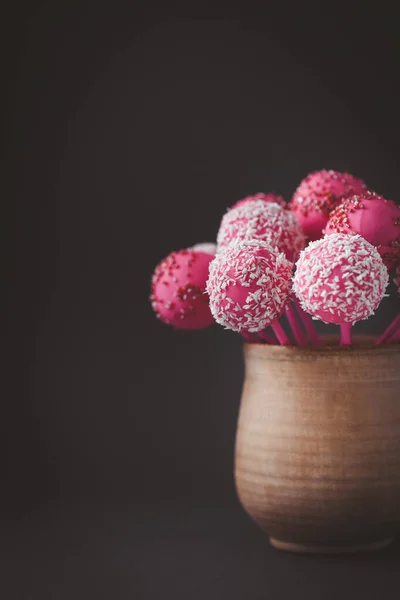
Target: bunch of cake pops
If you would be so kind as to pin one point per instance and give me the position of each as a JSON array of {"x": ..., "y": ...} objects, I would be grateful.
[{"x": 326, "y": 255}]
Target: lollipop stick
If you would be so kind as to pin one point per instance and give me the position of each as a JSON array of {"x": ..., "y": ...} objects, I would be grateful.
[
  {"x": 263, "y": 335},
  {"x": 396, "y": 337},
  {"x": 385, "y": 338},
  {"x": 308, "y": 324},
  {"x": 345, "y": 334},
  {"x": 250, "y": 338},
  {"x": 280, "y": 334},
  {"x": 297, "y": 331}
]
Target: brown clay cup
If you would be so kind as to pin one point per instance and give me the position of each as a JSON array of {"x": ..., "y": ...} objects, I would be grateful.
[{"x": 317, "y": 461}]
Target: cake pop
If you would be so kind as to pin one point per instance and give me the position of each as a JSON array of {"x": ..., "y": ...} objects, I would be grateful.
[
  {"x": 340, "y": 279},
  {"x": 392, "y": 332},
  {"x": 375, "y": 219},
  {"x": 318, "y": 194},
  {"x": 270, "y": 197},
  {"x": 207, "y": 247},
  {"x": 267, "y": 222},
  {"x": 178, "y": 290},
  {"x": 249, "y": 287}
]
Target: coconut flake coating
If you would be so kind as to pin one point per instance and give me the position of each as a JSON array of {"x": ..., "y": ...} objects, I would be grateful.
[
  {"x": 178, "y": 290},
  {"x": 266, "y": 222},
  {"x": 340, "y": 279},
  {"x": 249, "y": 285},
  {"x": 270, "y": 197},
  {"x": 375, "y": 219},
  {"x": 318, "y": 194}
]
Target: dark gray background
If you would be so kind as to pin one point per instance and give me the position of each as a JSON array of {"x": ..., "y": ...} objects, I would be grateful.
[{"x": 128, "y": 129}]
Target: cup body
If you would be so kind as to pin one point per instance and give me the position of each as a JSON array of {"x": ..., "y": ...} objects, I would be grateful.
[{"x": 317, "y": 459}]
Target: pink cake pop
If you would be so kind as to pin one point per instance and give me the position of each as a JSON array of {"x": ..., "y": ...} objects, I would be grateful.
[
  {"x": 269, "y": 223},
  {"x": 270, "y": 197},
  {"x": 375, "y": 219},
  {"x": 340, "y": 279},
  {"x": 207, "y": 247},
  {"x": 249, "y": 287},
  {"x": 318, "y": 194},
  {"x": 178, "y": 290}
]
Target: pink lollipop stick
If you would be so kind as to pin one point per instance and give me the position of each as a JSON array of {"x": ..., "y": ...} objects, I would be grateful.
[
  {"x": 263, "y": 335},
  {"x": 345, "y": 334},
  {"x": 297, "y": 331},
  {"x": 250, "y": 338},
  {"x": 308, "y": 324},
  {"x": 389, "y": 332},
  {"x": 396, "y": 337},
  {"x": 280, "y": 334}
]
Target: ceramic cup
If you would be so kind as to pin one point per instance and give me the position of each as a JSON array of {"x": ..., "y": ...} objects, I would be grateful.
[{"x": 317, "y": 460}]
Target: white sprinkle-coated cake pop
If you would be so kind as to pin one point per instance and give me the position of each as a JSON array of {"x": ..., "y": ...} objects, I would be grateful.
[
  {"x": 340, "y": 279},
  {"x": 266, "y": 222},
  {"x": 270, "y": 197},
  {"x": 249, "y": 285},
  {"x": 208, "y": 247}
]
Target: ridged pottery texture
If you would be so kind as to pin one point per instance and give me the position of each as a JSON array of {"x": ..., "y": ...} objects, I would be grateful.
[{"x": 317, "y": 461}]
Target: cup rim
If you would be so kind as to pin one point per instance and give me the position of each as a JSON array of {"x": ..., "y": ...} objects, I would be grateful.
[{"x": 362, "y": 344}]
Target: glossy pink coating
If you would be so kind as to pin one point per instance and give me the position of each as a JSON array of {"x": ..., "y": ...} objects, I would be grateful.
[
  {"x": 318, "y": 194},
  {"x": 178, "y": 294},
  {"x": 375, "y": 219}
]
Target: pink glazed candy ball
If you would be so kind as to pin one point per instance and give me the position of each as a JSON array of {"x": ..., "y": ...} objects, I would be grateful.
[
  {"x": 271, "y": 197},
  {"x": 375, "y": 219},
  {"x": 178, "y": 290},
  {"x": 249, "y": 286},
  {"x": 318, "y": 194},
  {"x": 269, "y": 223},
  {"x": 340, "y": 279}
]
